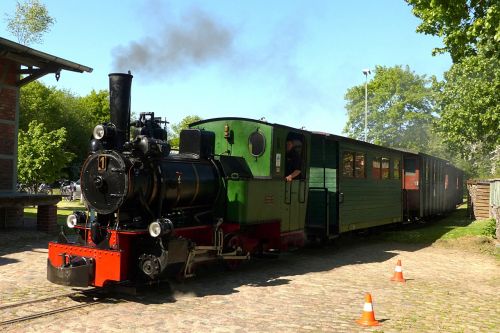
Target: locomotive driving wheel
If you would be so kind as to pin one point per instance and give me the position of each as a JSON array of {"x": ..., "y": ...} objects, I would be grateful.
[
  {"x": 233, "y": 243},
  {"x": 149, "y": 265}
]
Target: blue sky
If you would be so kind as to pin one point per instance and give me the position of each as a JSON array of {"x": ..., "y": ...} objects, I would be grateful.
[{"x": 288, "y": 61}]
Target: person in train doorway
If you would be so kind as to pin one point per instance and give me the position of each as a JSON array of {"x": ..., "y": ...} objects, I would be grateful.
[{"x": 293, "y": 162}]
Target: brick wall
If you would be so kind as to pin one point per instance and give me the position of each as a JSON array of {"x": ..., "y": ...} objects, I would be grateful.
[
  {"x": 7, "y": 139},
  {"x": 8, "y": 96},
  {"x": 47, "y": 218},
  {"x": 8, "y": 124},
  {"x": 11, "y": 217},
  {"x": 6, "y": 172}
]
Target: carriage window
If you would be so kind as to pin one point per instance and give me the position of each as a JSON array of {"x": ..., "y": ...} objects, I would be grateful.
[
  {"x": 359, "y": 165},
  {"x": 353, "y": 164},
  {"x": 257, "y": 143},
  {"x": 348, "y": 164},
  {"x": 410, "y": 167},
  {"x": 446, "y": 181},
  {"x": 376, "y": 168},
  {"x": 396, "y": 170},
  {"x": 385, "y": 168}
]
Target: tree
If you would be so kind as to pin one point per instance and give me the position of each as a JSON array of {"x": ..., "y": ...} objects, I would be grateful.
[
  {"x": 97, "y": 103},
  {"x": 470, "y": 117},
  {"x": 42, "y": 103},
  {"x": 61, "y": 109},
  {"x": 40, "y": 155},
  {"x": 30, "y": 21},
  {"x": 177, "y": 128},
  {"x": 469, "y": 122},
  {"x": 401, "y": 107},
  {"x": 468, "y": 27}
]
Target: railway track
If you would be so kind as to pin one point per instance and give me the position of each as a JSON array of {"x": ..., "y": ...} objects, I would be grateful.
[{"x": 28, "y": 310}]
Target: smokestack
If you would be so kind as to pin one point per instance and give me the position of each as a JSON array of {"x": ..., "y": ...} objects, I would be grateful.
[{"x": 119, "y": 105}]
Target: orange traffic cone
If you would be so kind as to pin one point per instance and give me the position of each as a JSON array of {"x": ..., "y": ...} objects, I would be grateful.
[
  {"x": 368, "y": 316},
  {"x": 398, "y": 273}
]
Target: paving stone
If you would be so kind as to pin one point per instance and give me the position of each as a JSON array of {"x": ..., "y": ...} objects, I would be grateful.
[{"x": 311, "y": 290}]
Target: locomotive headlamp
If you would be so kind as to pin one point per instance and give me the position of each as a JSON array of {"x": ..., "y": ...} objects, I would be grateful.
[
  {"x": 160, "y": 227},
  {"x": 71, "y": 221},
  {"x": 99, "y": 132},
  {"x": 103, "y": 130}
]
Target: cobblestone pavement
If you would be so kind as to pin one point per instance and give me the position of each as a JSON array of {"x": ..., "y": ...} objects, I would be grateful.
[{"x": 310, "y": 290}]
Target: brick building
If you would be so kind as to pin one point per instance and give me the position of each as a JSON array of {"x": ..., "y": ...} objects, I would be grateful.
[{"x": 20, "y": 65}]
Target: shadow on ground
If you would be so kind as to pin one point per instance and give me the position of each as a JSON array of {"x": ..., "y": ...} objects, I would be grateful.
[
  {"x": 216, "y": 280},
  {"x": 213, "y": 279}
]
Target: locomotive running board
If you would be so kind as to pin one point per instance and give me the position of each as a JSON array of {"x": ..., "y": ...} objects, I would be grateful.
[{"x": 202, "y": 253}]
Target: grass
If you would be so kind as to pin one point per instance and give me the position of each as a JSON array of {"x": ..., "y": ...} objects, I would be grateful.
[
  {"x": 455, "y": 225},
  {"x": 455, "y": 230},
  {"x": 64, "y": 208}
]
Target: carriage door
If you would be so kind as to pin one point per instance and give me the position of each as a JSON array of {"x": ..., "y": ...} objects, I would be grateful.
[
  {"x": 322, "y": 203},
  {"x": 411, "y": 186},
  {"x": 295, "y": 190}
]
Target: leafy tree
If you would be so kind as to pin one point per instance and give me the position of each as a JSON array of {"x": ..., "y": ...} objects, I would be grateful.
[
  {"x": 97, "y": 103},
  {"x": 61, "y": 109},
  {"x": 29, "y": 22},
  {"x": 469, "y": 96},
  {"x": 401, "y": 108},
  {"x": 40, "y": 155},
  {"x": 38, "y": 102},
  {"x": 468, "y": 27},
  {"x": 470, "y": 117},
  {"x": 177, "y": 128}
]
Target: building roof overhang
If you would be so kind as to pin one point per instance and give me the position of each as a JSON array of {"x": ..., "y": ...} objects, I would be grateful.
[{"x": 34, "y": 63}]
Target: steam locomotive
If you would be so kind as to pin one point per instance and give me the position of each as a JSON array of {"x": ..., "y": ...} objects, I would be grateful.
[{"x": 151, "y": 212}]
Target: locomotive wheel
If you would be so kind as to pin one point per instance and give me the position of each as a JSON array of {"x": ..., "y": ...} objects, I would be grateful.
[
  {"x": 233, "y": 242},
  {"x": 149, "y": 265}
]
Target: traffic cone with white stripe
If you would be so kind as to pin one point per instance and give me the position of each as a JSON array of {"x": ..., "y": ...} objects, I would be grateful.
[
  {"x": 398, "y": 273},
  {"x": 368, "y": 316}
]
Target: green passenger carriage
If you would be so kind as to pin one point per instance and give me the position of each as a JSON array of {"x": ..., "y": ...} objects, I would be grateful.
[{"x": 344, "y": 185}]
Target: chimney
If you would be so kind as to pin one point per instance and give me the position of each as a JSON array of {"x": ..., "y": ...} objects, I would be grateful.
[{"x": 119, "y": 105}]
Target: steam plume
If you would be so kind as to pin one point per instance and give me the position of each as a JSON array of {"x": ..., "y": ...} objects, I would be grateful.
[{"x": 197, "y": 40}]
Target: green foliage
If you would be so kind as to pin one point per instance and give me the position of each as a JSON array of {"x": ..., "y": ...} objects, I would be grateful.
[
  {"x": 468, "y": 27},
  {"x": 41, "y": 155},
  {"x": 29, "y": 22},
  {"x": 97, "y": 103},
  {"x": 401, "y": 108},
  {"x": 490, "y": 228},
  {"x": 177, "y": 128},
  {"x": 470, "y": 118},
  {"x": 61, "y": 109}
]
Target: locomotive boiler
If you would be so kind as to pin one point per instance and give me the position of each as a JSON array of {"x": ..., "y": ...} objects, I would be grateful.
[{"x": 146, "y": 208}]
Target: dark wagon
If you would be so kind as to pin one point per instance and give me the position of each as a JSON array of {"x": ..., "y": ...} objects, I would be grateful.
[{"x": 431, "y": 186}]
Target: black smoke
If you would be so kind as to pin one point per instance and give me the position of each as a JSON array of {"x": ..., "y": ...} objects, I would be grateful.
[{"x": 197, "y": 40}]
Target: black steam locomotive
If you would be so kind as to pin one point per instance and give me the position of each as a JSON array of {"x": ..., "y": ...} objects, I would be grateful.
[{"x": 147, "y": 208}]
